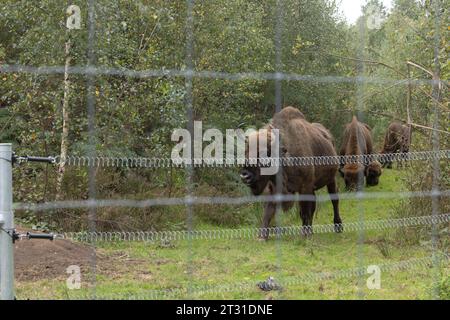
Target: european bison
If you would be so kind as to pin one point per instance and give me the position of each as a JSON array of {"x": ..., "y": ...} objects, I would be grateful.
[
  {"x": 298, "y": 138},
  {"x": 397, "y": 139},
  {"x": 357, "y": 140},
  {"x": 324, "y": 131}
]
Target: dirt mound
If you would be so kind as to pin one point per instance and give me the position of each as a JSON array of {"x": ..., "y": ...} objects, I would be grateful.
[{"x": 45, "y": 259}]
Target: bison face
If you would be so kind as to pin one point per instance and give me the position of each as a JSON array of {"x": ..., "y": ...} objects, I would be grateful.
[
  {"x": 251, "y": 174},
  {"x": 253, "y": 178},
  {"x": 373, "y": 173},
  {"x": 351, "y": 174}
]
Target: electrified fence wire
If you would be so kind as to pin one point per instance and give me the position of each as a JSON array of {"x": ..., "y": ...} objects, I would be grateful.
[
  {"x": 142, "y": 162},
  {"x": 253, "y": 233}
]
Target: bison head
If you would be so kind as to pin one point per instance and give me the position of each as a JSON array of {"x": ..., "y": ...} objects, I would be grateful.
[
  {"x": 351, "y": 173},
  {"x": 253, "y": 178},
  {"x": 252, "y": 174},
  {"x": 373, "y": 173}
]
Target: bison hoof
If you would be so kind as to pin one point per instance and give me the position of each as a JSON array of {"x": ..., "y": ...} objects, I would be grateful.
[{"x": 338, "y": 227}]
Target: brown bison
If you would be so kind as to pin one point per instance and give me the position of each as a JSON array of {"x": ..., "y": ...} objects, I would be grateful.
[
  {"x": 357, "y": 140},
  {"x": 298, "y": 138},
  {"x": 397, "y": 139},
  {"x": 324, "y": 131}
]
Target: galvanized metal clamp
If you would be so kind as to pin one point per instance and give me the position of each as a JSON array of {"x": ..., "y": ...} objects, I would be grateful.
[
  {"x": 22, "y": 159},
  {"x": 29, "y": 235}
]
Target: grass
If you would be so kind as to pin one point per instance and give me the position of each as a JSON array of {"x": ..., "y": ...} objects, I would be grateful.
[{"x": 238, "y": 265}]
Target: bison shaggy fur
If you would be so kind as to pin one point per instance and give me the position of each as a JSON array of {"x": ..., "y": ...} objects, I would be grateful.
[{"x": 357, "y": 140}]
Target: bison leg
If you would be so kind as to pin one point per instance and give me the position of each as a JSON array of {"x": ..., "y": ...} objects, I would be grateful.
[
  {"x": 269, "y": 212},
  {"x": 333, "y": 191},
  {"x": 306, "y": 214},
  {"x": 313, "y": 209}
]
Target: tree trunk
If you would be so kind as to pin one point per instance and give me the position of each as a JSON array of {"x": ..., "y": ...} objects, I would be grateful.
[{"x": 65, "y": 125}]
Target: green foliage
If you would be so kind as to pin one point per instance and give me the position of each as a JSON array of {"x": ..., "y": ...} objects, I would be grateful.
[
  {"x": 420, "y": 178},
  {"x": 443, "y": 288}
]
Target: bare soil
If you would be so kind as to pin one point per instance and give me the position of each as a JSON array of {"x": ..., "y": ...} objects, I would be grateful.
[{"x": 44, "y": 259}]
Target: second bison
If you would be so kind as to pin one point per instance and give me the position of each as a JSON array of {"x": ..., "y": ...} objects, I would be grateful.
[{"x": 357, "y": 140}]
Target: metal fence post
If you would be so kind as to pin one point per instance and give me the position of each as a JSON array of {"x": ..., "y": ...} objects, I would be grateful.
[{"x": 6, "y": 224}]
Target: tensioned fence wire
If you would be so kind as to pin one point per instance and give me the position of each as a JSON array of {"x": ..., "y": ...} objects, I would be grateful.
[
  {"x": 245, "y": 286},
  {"x": 253, "y": 233},
  {"x": 155, "y": 162}
]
